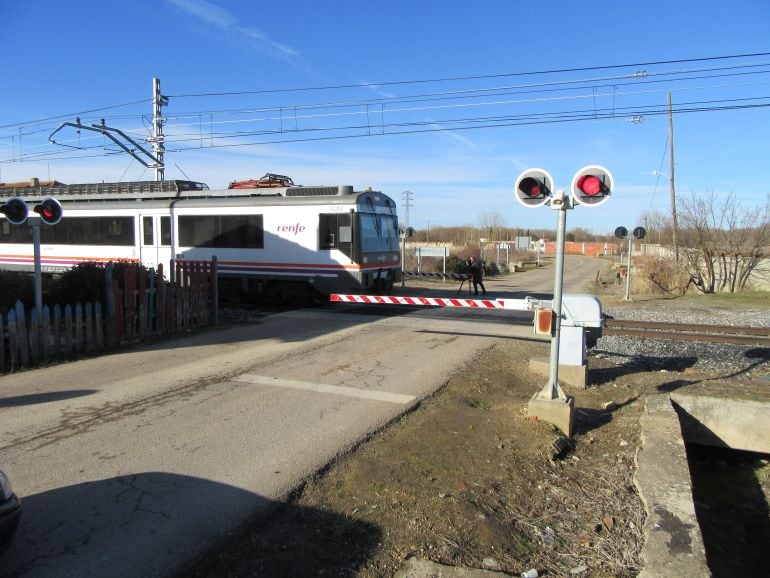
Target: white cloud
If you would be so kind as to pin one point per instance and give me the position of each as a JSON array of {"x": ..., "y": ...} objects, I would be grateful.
[
  {"x": 206, "y": 11},
  {"x": 224, "y": 20}
]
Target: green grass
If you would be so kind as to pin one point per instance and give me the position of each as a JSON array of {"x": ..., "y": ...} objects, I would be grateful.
[
  {"x": 477, "y": 403},
  {"x": 758, "y": 298}
]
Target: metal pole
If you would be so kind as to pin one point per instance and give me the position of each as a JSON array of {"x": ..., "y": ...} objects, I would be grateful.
[
  {"x": 671, "y": 169},
  {"x": 35, "y": 224},
  {"x": 158, "y": 100},
  {"x": 552, "y": 390},
  {"x": 443, "y": 279},
  {"x": 628, "y": 270},
  {"x": 403, "y": 257}
]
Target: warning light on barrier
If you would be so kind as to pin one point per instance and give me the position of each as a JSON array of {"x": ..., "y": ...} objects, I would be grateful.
[
  {"x": 533, "y": 187},
  {"x": 592, "y": 186},
  {"x": 543, "y": 321},
  {"x": 50, "y": 211},
  {"x": 15, "y": 210}
]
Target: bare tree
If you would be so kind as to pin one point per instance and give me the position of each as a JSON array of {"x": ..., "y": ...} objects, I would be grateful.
[
  {"x": 492, "y": 224},
  {"x": 657, "y": 224},
  {"x": 723, "y": 242}
]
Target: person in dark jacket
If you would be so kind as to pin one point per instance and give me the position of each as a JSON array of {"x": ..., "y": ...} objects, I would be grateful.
[{"x": 476, "y": 269}]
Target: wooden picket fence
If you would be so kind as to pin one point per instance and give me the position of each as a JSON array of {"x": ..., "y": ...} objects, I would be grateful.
[{"x": 147, "y": 306}]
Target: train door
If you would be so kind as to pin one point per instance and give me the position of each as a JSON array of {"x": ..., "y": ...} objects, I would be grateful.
[{"x": 155, "y": 247}]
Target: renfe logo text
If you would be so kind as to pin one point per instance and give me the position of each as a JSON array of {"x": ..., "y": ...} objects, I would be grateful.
[{"x": 295, "y": 228}]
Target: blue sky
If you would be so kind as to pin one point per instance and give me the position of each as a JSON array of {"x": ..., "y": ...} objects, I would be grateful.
[{"x": 64, "y": 59}]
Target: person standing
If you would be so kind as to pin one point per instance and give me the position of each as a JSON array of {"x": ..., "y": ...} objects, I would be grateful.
[{"x": 477, "y": 274}]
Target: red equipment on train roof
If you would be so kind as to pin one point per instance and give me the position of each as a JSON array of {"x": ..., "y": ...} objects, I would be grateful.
[{"x": 268, "y": 181}]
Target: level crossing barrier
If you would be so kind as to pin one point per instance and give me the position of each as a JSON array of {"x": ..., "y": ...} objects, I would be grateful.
[
  {"x": 526, "y": 304},
  {"x": 458, "y": 276}
]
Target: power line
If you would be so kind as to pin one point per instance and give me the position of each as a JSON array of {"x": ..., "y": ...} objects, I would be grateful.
[
  {"x": 479, "y": 77},
  {"x": 315, "y": 117},
  {"x": 515, "y": 89},
  {"x": 405, "y": 82},
  {"x": 415, "y": 127},
  {"x": 73, "y": 114}
]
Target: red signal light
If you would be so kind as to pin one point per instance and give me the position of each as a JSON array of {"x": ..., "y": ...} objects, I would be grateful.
[
  {"x": 50, "y": 211},
  {"x": 533, "y": 187},
  {"x": 530, "y": 187},
  {"x": 590, "y": 185}
]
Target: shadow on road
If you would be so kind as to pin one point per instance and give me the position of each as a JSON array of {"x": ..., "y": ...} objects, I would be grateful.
[
  {"x": 157, "y": 523},
  {"x": 47, "y": 397}
]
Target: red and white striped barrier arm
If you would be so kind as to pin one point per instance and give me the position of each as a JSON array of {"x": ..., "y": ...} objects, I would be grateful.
[
  {"x": 460, "y": 276},
  {"x": 526, "y": 304}
]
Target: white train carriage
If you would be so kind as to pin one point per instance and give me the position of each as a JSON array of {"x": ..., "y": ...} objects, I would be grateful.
[{"x": 284, "y": 241}]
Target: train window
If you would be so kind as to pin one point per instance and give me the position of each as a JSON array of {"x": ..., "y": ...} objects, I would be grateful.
[
  {"x": 370, "y": 229},
  {"x": 90, "y": 231},
  {"x": 13, "y": 233},
  {"x": 223, "y": 231},
  {"x": 165, "y": 230},
  {"x": 389, "y": 232},
  {"x": 148, "y": 237},
  {"x": 327, "y": 231},
  {"x": 335, "y": 232},
  {"x": 77, "y": 231}
]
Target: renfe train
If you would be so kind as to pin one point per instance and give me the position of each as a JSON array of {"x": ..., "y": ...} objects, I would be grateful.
[{"x": 282, "y": 241}]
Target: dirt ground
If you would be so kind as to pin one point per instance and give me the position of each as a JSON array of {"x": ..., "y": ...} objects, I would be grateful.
[{"x": 467, "y": 479}]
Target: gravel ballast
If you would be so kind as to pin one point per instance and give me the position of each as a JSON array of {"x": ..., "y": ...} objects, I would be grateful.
[{"x": 652, "y": 354}]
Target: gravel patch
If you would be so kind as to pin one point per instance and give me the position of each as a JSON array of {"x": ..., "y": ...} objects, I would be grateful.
[{"x": 678, "y": 355}]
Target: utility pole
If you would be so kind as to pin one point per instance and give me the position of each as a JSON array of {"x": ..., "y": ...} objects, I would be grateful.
[
  {"x": 158, "y": 147},
  {"x": 671, "y": 178},
  {"x": 406, "y": 232},
  {"x": 406, "y": 205}
]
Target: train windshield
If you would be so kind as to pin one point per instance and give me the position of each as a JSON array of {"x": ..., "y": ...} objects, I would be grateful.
[{"x": 378, "y": 232}]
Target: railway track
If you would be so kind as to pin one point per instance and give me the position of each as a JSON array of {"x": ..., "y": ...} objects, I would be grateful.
[{"x": 689, "y": 331}]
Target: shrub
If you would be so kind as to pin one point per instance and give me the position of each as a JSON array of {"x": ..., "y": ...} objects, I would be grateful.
[
  {"x": 16, "y": 286},
  {"x": 84, "y": 283},
  {"x": 455, "y": 264},
  {"x": 653, "y": 275}
]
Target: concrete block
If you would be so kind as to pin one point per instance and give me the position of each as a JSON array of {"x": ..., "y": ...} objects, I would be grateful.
[
  {"x": 574, "y": 375},
  {"x": 673, "y": 542},
  {"x": 739, "y": 424},
  {"x": 558, "y": 412}
]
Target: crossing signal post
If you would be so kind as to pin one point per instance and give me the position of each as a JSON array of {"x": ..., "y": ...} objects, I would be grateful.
[
  {"x": 591, "y": 186},
  {"x": 638, "y": 233},
  {"x": 48, "y": 211}
]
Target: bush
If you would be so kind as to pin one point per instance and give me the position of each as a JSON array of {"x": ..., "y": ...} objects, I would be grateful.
[
  {"x": 653, "y": 275},
  {"x": 455, "y": 264},
  {"x": 16, "y": 286},
  {"x": 84, "y": 283}
]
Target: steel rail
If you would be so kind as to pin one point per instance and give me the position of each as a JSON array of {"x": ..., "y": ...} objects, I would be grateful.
[{"x": 688, "y": 331}]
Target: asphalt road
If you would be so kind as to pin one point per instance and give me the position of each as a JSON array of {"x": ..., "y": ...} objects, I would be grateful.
[{"x": 134, "y": 464}]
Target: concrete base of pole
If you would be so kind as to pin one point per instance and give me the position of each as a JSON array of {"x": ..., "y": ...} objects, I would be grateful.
[
  {"x": 574, "y": 375},
  {"x": 558, "y": 412}
]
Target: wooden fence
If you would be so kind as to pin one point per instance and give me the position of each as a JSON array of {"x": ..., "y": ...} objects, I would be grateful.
[{"x": 143, "y": 306}]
